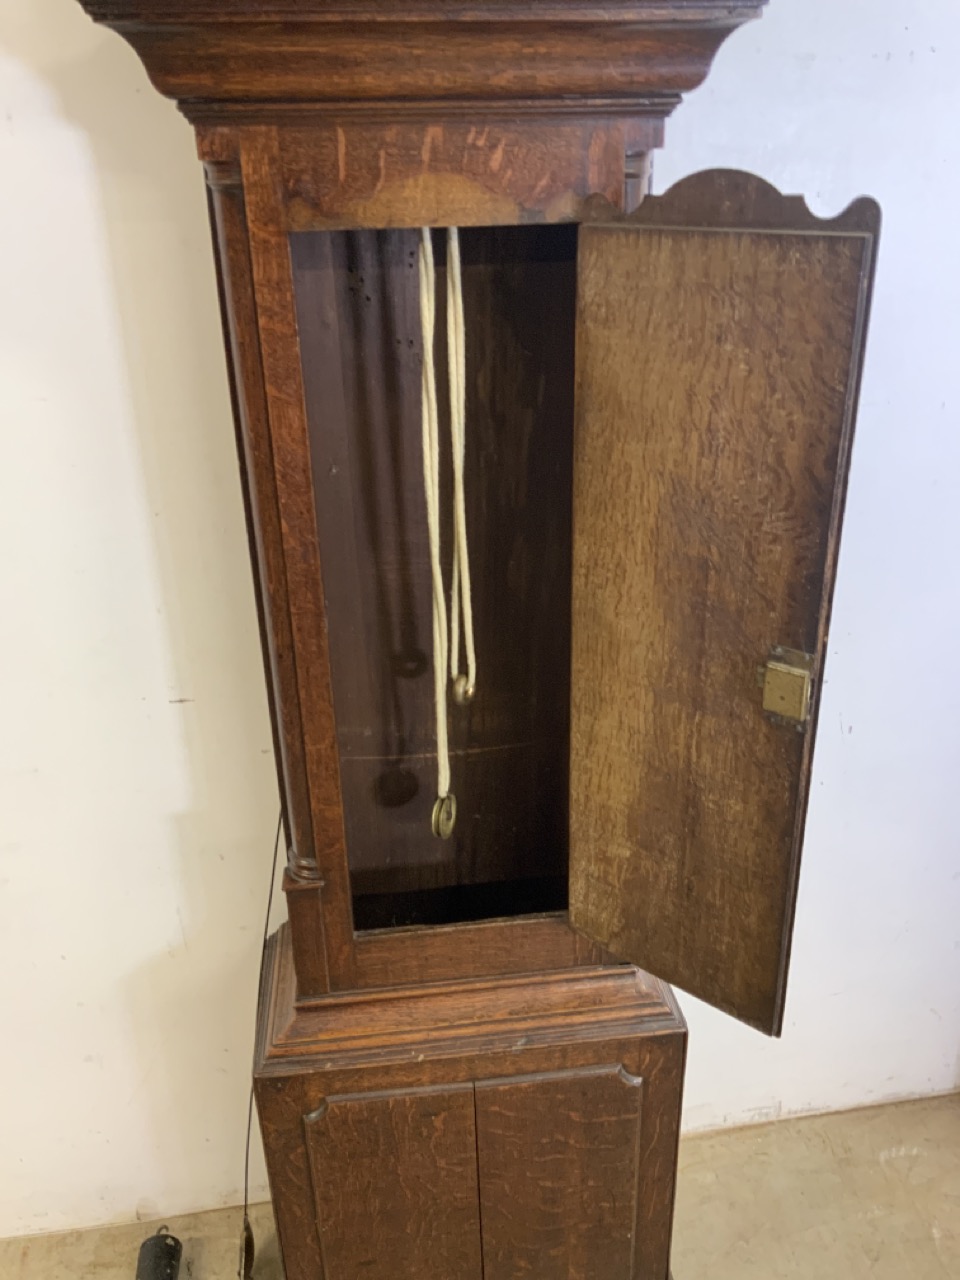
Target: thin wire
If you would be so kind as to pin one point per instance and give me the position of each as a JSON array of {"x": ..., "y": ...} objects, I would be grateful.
[{"x": 247, "y": 1234}]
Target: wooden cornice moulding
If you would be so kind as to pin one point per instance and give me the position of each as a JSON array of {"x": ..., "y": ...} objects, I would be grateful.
[
  {"x": 476, "y": 1016},
  {"x": 732, "y": 198},
  {"x": 234, "y": 56}
]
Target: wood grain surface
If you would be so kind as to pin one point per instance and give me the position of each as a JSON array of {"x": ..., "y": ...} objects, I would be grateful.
[
  {"x": 369, "y": 113},
  {"x": 559, "y": 1160},
  {"x": 361, "y": 170},
  {"x": 395, "y": 1179},
  {"x": 500, "y": 945},
  {"x": 224, "y": 60},
  {"x": 367, "y": 1105},
  {"x": 291, "y": 467},
  {"x": 717, "y": 374},
  {"x": 245, "y": 366}
]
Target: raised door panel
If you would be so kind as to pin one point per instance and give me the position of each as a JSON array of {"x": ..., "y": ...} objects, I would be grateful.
[
  {"x": 559, "y": 1159},
  {"x": 718, "y": 353},
  {"x": 395, "y": 1185}
]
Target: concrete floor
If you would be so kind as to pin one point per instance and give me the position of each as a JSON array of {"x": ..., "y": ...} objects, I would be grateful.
[{"x": 865, "y": 1194}]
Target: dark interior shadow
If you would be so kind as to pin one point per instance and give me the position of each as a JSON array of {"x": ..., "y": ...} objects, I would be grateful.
[{"x": 379, "y": 402}]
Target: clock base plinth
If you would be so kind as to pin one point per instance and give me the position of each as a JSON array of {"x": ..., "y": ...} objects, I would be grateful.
[{"x": 463, "y": 1131}]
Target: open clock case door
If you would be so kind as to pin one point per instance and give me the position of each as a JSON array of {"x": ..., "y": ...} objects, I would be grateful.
[{"x": 719, "y": 338}]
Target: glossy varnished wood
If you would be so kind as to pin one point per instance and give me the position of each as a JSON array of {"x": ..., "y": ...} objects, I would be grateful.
[{"x": 718, "y": 368}]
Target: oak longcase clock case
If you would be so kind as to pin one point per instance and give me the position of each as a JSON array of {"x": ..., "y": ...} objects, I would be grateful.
[{"x": 469, "y": 1063}]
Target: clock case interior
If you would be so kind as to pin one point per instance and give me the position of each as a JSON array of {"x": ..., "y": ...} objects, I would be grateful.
[{"x": 358, "y": 314}]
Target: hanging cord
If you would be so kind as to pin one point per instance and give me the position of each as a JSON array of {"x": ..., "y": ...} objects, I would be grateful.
[
  {"x": 247, "y": 1247},
  {"x": 446, "y": 644},
  {"x": 444, "y": 811},
  {"x": 461, "y": 598}
]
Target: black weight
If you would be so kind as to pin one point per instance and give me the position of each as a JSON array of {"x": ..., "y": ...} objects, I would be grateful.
[{"x": 159, "y": 1258}]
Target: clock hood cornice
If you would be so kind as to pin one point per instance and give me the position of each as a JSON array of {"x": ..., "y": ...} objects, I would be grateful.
[{"x": 252, "y": 59}]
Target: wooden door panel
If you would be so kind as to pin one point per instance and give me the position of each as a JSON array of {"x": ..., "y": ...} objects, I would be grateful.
[
  {"x": 395, "y": 1184},
  {"x": 559, "y": 1166},
  {"x": 719, "y": 342}
]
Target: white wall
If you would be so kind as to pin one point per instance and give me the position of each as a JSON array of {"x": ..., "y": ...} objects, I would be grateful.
[
  {"x": 138, "y": 799},
  {"x": 137, "y": 793},
  {"x": 834, "y": 100}
]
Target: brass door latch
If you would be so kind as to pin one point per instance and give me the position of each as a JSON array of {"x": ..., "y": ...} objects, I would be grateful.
[{"x": 787, "y": 680}]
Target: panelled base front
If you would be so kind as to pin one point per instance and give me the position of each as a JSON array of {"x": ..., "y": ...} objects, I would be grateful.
[{"x": 485, "y": 1130}]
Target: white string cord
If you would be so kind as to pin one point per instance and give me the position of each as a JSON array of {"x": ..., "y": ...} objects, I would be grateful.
[
  {"x": 461, "y": 598},
  {"x": 446, "y": 644},
  {"x": 431, "y": 486}
]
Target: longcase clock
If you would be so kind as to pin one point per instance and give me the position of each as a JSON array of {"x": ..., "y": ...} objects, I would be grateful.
[{"x": 544, "y": 479}]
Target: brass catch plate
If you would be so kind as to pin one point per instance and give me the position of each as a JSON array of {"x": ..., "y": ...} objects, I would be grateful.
[{"x": 788, "y": 685}]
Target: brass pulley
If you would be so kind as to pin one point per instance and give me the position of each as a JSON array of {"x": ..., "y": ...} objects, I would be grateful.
[{"x": 444, "y": 816}]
